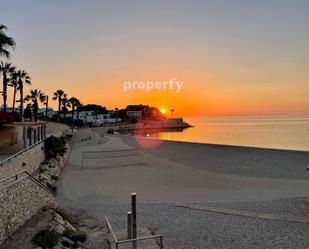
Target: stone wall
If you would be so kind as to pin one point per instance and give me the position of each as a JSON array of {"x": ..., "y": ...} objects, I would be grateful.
[
  {"x": 10, "y": 136},
  {"x": 28, "y": 160},
  {"x": 19, "y": 202}
]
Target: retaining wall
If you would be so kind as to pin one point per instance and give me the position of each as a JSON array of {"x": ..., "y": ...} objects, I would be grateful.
[
  {"x": 29, "y": 160},
  {"x": 19, "y": 202}
]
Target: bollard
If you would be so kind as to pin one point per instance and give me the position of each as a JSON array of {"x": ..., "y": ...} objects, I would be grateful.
[
  {"x": 133, "y": 209},
  {"x": 129, "y": 225},
  {"x": 161, "y": 242},
  {"x": 141, "y": 156}
]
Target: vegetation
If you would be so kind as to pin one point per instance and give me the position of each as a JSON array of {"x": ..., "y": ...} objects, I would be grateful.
[
  {"x": 74, "y": 103},
  {"x": 6, "y": 69},
  {"x": 95, "y": 108},
  {"x": 28, "y": 112},
  {"x": 22, "y": 79},
  {"x": 65, "y": 215},
  {"x": 59, "y": 95},
  {"x": 35, "y": 96},
  {"x": 46, "y": 238},
  {"x": 18, "y": 78},
  {"x": 75, "y": 236},
  {"x": 6, "y": 42},
  {"x": 54, "y": 177},
  {"x": 54, "y": 146}
]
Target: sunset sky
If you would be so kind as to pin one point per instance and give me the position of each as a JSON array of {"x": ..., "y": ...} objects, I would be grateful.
[{"x": 235, "y": 57}]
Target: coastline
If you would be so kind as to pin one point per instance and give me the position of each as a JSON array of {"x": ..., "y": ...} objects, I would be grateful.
[{"x": 159, "y": 125}]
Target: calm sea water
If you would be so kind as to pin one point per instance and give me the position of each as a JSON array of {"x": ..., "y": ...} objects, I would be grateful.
[{"x": 266, "y": 132}]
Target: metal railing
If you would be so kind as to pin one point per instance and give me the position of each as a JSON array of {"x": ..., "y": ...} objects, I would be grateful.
[
  {"x": 9, "y": 159},
  {"x": 15, "y": 178},
  {"x": 126, "y": 241}
]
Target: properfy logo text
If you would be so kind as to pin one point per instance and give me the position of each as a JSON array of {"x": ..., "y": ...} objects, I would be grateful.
[{"x": 173, "y": 84}]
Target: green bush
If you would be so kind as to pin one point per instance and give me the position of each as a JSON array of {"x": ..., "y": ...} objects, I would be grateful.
[
  {"x": 54, "y": 177},
  {"x": 55, "y": 146},
  {"x": 75, "y": 236},
  {"x": 65, "y": 215},
  {"x": 46, "y": 238}
]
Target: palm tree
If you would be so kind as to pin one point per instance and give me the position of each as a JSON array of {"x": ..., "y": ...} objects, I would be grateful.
[
  {"x": 14, "y": 84},
  {"x": 35, "y": 97},
  {"x": 46, "y": 105},
  {"x": 22, "y": 79},
  {"x": 59, "y": 95},
  {"x": 172, "y": 112},
  {"x": 74, "y": 102},
  {"x": 5, "y": 42},
  {"x": 65, "y": 104},
  {"x": 78, "y": 108},
  {"x": 6, "y": 69}
]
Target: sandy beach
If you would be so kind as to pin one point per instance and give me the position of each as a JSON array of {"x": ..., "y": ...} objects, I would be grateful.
[{"x": 197, "y": 195}]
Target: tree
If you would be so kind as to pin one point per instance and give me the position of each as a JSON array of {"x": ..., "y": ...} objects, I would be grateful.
[
  {"x": 65, "y": 104},
  {"x": 28, "y": 112},
  {"x": 95, "y": 108},
  {"x": 78, "y": 108},
  {"x": 6, "y": 42},
  {"x": 22, "y": 79},
  {"x": 46, "y": 105},
  {"x": 35, "y": 97},
  {"x": 74, "y": 104},
  {"x": 59, "y": 95},
  {"x": 6, "y": 69},
  {"x": 172, "y": 112},
  {"x": 14, "y": 84}
]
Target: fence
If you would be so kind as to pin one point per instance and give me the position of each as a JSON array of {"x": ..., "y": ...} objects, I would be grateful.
[
  {"x": 127, "y": 241},
  {"x": 9, "y": 159},
  {"x": 8, "y": 181},
  {"x": 107, "y": 154}
]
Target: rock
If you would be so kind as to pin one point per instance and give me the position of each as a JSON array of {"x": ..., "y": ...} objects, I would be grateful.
[
  {"x": 58, "y": 247},
  {"x": 69, "y": 226},
  {"x": 58, "y": 228},
  {"x": 59, "y": 219},
  {"x": 43, "y": 176},
  {"x": 66, "y": 241}
]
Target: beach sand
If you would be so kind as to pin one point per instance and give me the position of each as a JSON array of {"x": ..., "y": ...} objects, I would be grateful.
[{"x": 199, "y": 196}]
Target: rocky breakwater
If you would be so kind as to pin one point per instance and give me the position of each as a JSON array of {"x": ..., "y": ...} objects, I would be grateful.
[{"x": 162, "y": 124}]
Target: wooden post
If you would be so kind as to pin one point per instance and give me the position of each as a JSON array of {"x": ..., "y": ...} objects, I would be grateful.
[
  {"x": 141, "y": 156},
  {"x": 129, "y": 225},
  {"x": 134, "y": 230}
]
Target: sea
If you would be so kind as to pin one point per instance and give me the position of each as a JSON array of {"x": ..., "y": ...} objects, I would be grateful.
[{"x": 276, "y": 132}]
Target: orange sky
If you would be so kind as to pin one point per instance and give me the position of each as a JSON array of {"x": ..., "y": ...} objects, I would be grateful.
[{"x": 235, "y": 59}]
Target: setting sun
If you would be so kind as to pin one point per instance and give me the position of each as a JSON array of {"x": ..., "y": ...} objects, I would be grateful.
[{"x": 163, "y": 111}]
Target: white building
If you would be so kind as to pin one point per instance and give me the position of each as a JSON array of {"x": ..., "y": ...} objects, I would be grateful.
[{"x": 90, "y": 117}]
